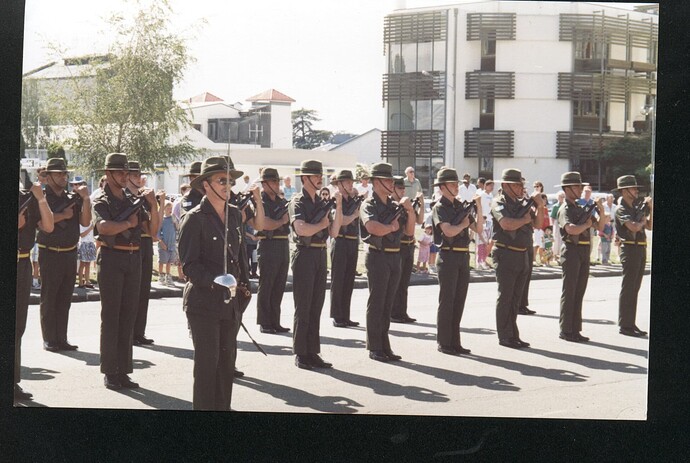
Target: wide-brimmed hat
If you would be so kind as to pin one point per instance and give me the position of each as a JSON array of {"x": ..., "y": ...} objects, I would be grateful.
[
  {"x": 115, "y": 161},
  {"x": 76, "y": 180},
  {"x": 398, "y": 181},
  {"x": 269, "y": 173},
  {"x": 56, "y": 165},
  {"x": 510, "y": 176},
  {"x": 626, "y": 181},
  {"x": 381, "y": 170},
  {"x": 571, "y": 179},
  {"x": 445, "y": 176},
  {"x": 216, "y": 165},
  {"x": 344, "y": 174},
  {"x": 194, "y": 169},
  {"x": 310, "y": 167},
  {"x": 134, "y": 167}
]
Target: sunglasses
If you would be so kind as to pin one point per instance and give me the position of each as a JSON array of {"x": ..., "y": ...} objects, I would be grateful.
[{"x": 222, "y": 181}]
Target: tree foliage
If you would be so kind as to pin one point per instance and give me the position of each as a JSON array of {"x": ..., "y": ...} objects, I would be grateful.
[
  {"x": 630, "y": 155},
  {"x": 35, "y": 117},
  {"x": 361, "y": 170},
  {"x": 304, "y": 136},
  {"x": 125, "y": 103}
]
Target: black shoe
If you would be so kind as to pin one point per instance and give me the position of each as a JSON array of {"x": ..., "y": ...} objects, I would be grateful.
[
  {"x": 581, "y": 338},
  {"x": 512, "y": 343},
  {"x": 526, "y": 311},
  {"x": 126, "y": 382},
  {"x": 351, "y": 323},
  {"x": 268, "y": 329},
  {"x": 340, "y": 324},
  {"x": 318, "y": 362},
  {"x": 571, "y": 337},
  {"x": 21, "y": 394},
  {"x": 51, "y": 346},
  {"x": 447, "y": 350},
  {"x": 281, "y": 329},
  {"x": 462, "y": 350},
  {"x": 142, "y": 341},
  {"x": 112, "y": 382},
  {"x": 522, "y": 343},
  {"x": 639, "y": 331},
  {"x": 379, "y": 356},
  {"x": 238, "y": 373},
  {"x": 409, "y": 319},
  {"x": 630, "y": 332},
  {"x": 303, "y": 362},
  {"x": 391, "y": 356},
  {"x": 64, "y": 345},
  {"x": 398, "y": 320}
]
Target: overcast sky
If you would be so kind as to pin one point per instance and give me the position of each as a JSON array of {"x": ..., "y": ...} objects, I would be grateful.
[{"x": 326, "y": 54}]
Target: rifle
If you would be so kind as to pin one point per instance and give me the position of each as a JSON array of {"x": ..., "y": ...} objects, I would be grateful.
[
  {"x": 641, "y": 209},
  {"x": 468, "y": 207},
  {"x": 124, "y": 215},
  {"x": 74, "y": 199},
  {"x": 280, "y": 210},
  {"x": 391, "y": 214},
  {"x": 525, "y": 205},
  {"x": 321, "y": 212},
  {"x": 352, "y": 207},
  {"x": 588, "y": 210},
  {"x": 27, "y": 197},
  {"x": 241, "y": 200}
]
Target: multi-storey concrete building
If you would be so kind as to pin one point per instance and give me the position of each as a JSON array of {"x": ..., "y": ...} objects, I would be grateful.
[{"x": 541, "y": 86}]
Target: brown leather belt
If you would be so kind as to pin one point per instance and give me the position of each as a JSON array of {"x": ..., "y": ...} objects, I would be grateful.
[
  {"x": 58, "y": 248},
  {"x": 145, "y": 235},
  {"x": 512, "y": 248},
  {"x": 406, "y": 241},
  {"x": 274, "y": 237}
]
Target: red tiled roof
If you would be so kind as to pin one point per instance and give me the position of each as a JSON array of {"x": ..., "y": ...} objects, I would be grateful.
[
  {"x": 271, "y": 95},
  {"x": 203, "y": 98}
]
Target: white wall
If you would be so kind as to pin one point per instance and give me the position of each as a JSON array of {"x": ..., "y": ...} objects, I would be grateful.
[
  {"x": 281, "y": 126},
  {"x": 366, "y": 148},
  {"x": 201, "y": 114}
]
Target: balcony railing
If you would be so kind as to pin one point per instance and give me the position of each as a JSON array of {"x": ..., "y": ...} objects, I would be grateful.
[
  {"x": 608, "y": 29},
  {"x": 495, "y": 85},
  {"x": 414, "y": 86},
  {"x": 412, "y": 143},
  {"x": 606, "y": 87},
  {"x": 489, "y": 143},
  {"x": 495, "y": 26},
  {"x": 584, "y": 145}
]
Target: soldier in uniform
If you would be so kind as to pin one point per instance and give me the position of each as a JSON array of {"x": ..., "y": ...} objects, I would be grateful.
[
  {"x": 344, "y": 253},
  {"x": 274, "y": 254},
  {"x": 407, "y": 247},
  {"x": 575, "y": 254},
  {"x": 34, "y": 213},
  {"x": 149, "y": 228},
  {"x": 633, "y": 217},
  {"x": 512, "y": 236},
  {"x": 213, "y": 322},
  {"x": 57, "y": 254},
  {"x": 119, "y": 269},
  {"x": 193, "y": 196},
  {"x": 383, "y": 259},
  {"x": 452, "y": 236},
  {"x": 309, "y": 262}
]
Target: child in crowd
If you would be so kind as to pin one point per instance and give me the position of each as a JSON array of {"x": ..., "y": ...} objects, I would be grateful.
[
  {"x": 167, "y": 240},
  {"x": 86, "y": 254},
  {"x": 424, "y": 249},
  {"x": 483, "y": 239},
  {"x": 252, "y": 242},
  {"x": 35, "y": 272},
  {"x": 548, "y": 255},
  {"x": 605, "y": 238},
  {"x": 538, "y": 239}
]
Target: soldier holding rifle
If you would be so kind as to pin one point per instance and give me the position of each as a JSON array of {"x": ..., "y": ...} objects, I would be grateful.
[
  {"x": 382, "y": 228},
  {"x": 117, "y": 216},
  {"x": 57, "y": 254},
  {"x": 575, "y": 223},
  {"x": 633, "y": 217},
  {"x": 452, "y": 221},
  {"x": 513, "y": 219},
  {"x": 311, "y": 224},
  {"x": 34, "y": 212}
]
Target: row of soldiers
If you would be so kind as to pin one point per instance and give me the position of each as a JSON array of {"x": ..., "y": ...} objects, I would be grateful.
[{"x": 211, "y": 245}]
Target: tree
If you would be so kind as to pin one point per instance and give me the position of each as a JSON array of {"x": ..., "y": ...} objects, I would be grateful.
[
  {"x": 56, "y": 150},
  {"x": 630, "y": 155},
  {"x": 124, "y": 102},
  {"x": 361, "y": 170},
  {"x": 304, "y": 136},
  {"x": 35, "y": 118}
]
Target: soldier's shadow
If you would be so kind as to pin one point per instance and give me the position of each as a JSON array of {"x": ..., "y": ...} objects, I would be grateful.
[
  {"x": 597, "y": 321},
  {"x": 36, "y": 374},
  {"x": 179, "y": 352},
  {"x": 89, "y": 358},
  {"x": 477, "y": 330},
  {"x": 157, "y": 400},
  {"x": 382, "y": 387},
  {"x": 531, "y": 370},
  {"x": 590, "y": 362},
  {"x": 407, "y": 334},
  {"x": 354, "y": 343},
  {"x": 300, "y": 398},
  {"x": 270, "y": 350},
  {"x": 627, "y": 350},
  {"x": 460, "y": 379}
]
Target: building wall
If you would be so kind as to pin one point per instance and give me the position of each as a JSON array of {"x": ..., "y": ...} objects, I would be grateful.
[
  {"x": 366, "y": 148},
  {"x": 201, "y": 114},
  {"x": 281, "y": 125}
]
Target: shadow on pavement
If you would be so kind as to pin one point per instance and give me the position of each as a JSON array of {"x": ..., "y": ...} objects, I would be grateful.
[
  {"x": 382, "y": 387},
  {"x": 460, "y": 379},
  {"x": 531, "y": 370},
  {"x": 179, "y": 352},
  {"x": 584, "y": 320},
  {"x": 477, "y": 330},
  {"x": 424, "y": 325},
  {"x": 157, "y": 400},
  {"x": 270, "y": 350},
  {"x": 406, "y": 334},
  {"x": 590, "y": 362},
  {"x": 139, "y": 364},
  {"x": 627, "y": 350},
  {"x": 89, "y": 358},
  {"x": 36, "y": 374},
  {"x": 299, "y": 398},
  {"x": 28, "y": 404},
  {"x": 355, "y": 343}
]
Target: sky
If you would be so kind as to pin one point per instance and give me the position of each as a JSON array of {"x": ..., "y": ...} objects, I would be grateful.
[{"x": 325, "y": 54}]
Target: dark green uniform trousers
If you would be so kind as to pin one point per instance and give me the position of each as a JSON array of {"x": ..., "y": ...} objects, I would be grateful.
[
  {"x": 146, "y": 253},
  {"x": 274, "y": 262},
  {"x": 309, "y": 293},
  {"x": 399, "y": 309},
  {"x": 575, "y": 265},
  {"x": 512, "y": 271},
  {"x": 633, "y": 258},
  {"x": 524, "y": 301},
  {"x": 215, "y": 350},
  {"x": 24, "y": 270},
  {"x": 453, "y": 279},
  {"x": 383, "y": 276},
  {"x": 119, "y": 275},
  {"x": 344, "y": 253},
  {"x": 58, "y": 273}
]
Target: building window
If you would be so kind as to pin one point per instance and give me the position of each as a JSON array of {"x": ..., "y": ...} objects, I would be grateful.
[
  {"x": 213, "y": 130},
  {"x": 589, "y": 49},
  {"x": 486, "y": 113},
  {"x": 587, "y": 108},
  {"x": 488, "y": 60}
]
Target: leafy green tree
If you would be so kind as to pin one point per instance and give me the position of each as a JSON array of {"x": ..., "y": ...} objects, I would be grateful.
[
  {"x": 361, "y": 170},
  {"x": 125, "y": 104},
  {"x": 35, "y": 117},
  {"x": 56, "y": 150},
  {"x": 628, "y": 155},
  {"x": 304, "y": 136}
]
